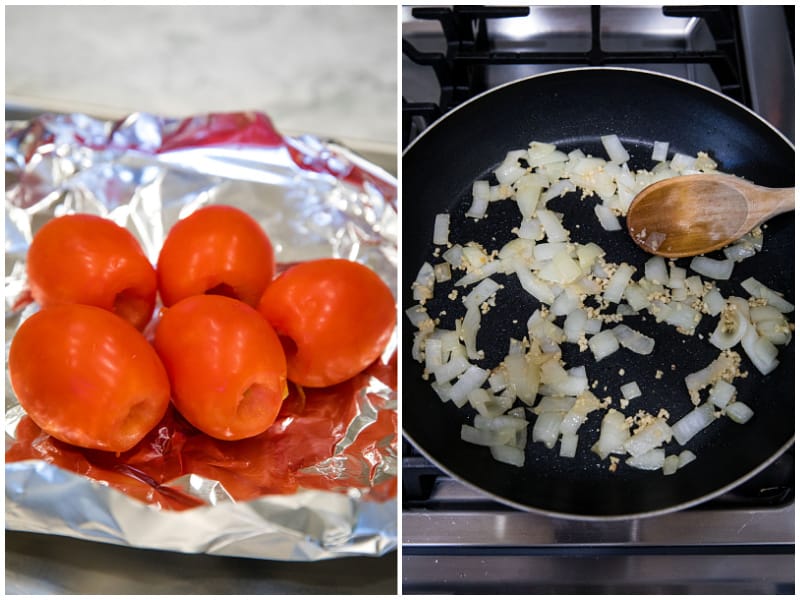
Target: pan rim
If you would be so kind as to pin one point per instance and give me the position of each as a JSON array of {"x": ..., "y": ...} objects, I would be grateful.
[{"x": 575, "y": 515}]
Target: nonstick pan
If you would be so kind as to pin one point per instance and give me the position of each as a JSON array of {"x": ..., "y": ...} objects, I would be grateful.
[{"x": 572, "y": 109}]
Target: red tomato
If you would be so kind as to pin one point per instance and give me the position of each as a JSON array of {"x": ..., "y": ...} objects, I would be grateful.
[
  {"x": 86, "y": 259},
  {"x": 225, "y": 363},
  {"x": 334, "y": 316},
  {"x": 215, "y": 250},
  {"x": 87, "y": 377}
]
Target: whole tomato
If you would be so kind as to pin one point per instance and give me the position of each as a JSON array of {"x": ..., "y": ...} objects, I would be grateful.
[
  {"x": 215, "y": 250},
  {"x": 87, "y": 377},
  {"x": 87, "y": 259},
  {"x": 225, "y": 363},
  {"x": 334, "y": 317}
]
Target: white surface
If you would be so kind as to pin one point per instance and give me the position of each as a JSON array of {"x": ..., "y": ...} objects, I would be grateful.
[{"x": 326, "y": 70}]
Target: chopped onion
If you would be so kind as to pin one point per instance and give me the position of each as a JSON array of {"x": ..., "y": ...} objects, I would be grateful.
[
  {"x": 481, "y": 292},
  {"x": 761, "y": 352},
  {"x": 648, "y": 437},
  {"x": 451, "y": 369},
  {"x": 569, "y": 445},
  {"x": 618, "y": 282},
  {"x": 660, "y": 150},
  {"x": 630, "y": 390},
  {"x": 486, "y": 437},
  {"x": 614, "y": 433},
  {"x": 722, "y": 393},
  {"x": 739, "y": 412},
  {"x": 508, "y": 454},
  {"x": 655, "y": 269},
  {"x": 546, "y": 428},
  {"x": 472, "y": 378},
  {"x": 613, "y": 146},
  {"x": 633, "y": 340},
  {"x": 441, "y": 229},
  {"x": 510, "y": 170},
  {"x": 603, "y": 344},
  {"x": 650, "y": 461},
  {"x": 608, "y": 220},
  {"x": 553, "y": 228},
  {"x": 694, "y": 422},
  {"x": 758, "y": 290},
  {"x": 715, "y": 269},
  {"x": 671, "y": 464},
  {"x": 685, "y": 457},
  {"x": 730, "y": 329}
]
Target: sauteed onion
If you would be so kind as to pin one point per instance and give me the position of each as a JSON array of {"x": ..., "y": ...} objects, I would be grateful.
[{"x": 582, "y": 298}]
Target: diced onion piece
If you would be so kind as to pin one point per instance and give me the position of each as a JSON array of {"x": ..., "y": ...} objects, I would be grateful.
[
  {"x": 441, "y": 229},
  {"x": 423, "y": 284},
  {"x": 652, "y": 435},
  {"x": 433, "y": 354},
  {"x": 546, "y": 428},
  {"x": 685, "y": 428},
  {"x": 470, "y": 325},
  {"x": 508, "y": 454},
  {"x": 677, "y": 277},
  {"x": 603, "y": 344},
  {"x": 451, "y": 369},
  {"x": 758, "y": 290},
  {"x": 559, "y": 404},
  {"x": 481, "y": 292},
  {"x": 730, "y": 329},
  {"x": 500, "y": 423},
  {"x": 488, "y": 405},
  {"x": 535, "y": 286},
  {"x": 510, "y": 170},
  {"x": 671, "y": 463},
  {"x": 714, "y": 302},
  {"x": 563, "y": 269},
  {"x": 682, "y": 162},
  {"x": 651, "y": 460},
  {"x": 471, "y": 379},
  {"x": 739, "y": 251},
  {"x": 722, "y": 393},
  {"x": 558, "y": 189},
  {"x": 761, "y": 352},
  {"x": 553, "y": 228},
  {"x": 486, "y": 437},
  {"x": 614, "y": 148},
  {"x": 575, "y": 325},
  {"x": 523, "y": 377},
  {"x": 633, "y": 340},
  {"x": 528, "y": 193},
  {"x": 660, "y": 150},
  {"x": 614, "y": 433},
  {"x": 608, "y": 220},
  {"x": 568, "y": 447},
  {"x": 418, "y": 316},
  {"x": 739, "y": 412},
  {"x": 655, "y": 270},
  {"x": 454, "y": 256},
  {"x": 618, "y": 282},
  {"x": 630, "y": 390},
  {"x": 709, "y": 267},
  {"x": 442, "y": 272},
  {"x": 477, "y": 209}
]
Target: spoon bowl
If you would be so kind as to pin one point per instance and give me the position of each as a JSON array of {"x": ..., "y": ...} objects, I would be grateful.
[{"x": 695, "y": 214}]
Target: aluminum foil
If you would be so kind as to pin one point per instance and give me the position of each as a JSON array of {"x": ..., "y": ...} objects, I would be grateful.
[{"x": 315, "y": 199}]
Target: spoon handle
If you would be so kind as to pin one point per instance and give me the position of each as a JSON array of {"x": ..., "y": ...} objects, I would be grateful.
[{"x": 766, "y": 203}]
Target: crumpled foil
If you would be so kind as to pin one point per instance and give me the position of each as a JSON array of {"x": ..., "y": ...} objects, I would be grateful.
[{"x": 315, "y": 198}]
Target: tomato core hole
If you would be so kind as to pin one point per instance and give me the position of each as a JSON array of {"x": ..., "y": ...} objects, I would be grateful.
[
  {"x": 132, "y": 423},
  {"x": 253, "y": 403},
  {"x": 132, "y": 308},
  {"x": 223, "y": 289}
]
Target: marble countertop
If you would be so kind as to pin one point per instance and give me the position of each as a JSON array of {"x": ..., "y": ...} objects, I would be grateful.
[{"x": 329, "y": 71}]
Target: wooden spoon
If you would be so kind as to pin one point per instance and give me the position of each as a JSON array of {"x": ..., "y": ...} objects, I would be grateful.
[{"x": 695, "y": 214}]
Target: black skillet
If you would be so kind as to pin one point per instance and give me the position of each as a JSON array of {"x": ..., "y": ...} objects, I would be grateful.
[{"x": 573, "y": 108}]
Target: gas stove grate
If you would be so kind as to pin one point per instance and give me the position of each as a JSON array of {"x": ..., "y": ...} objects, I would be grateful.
[{"x": 461, "y": 71}]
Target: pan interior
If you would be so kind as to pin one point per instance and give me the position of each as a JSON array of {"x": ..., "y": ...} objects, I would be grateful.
[{"x": 573, "y": 109}]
